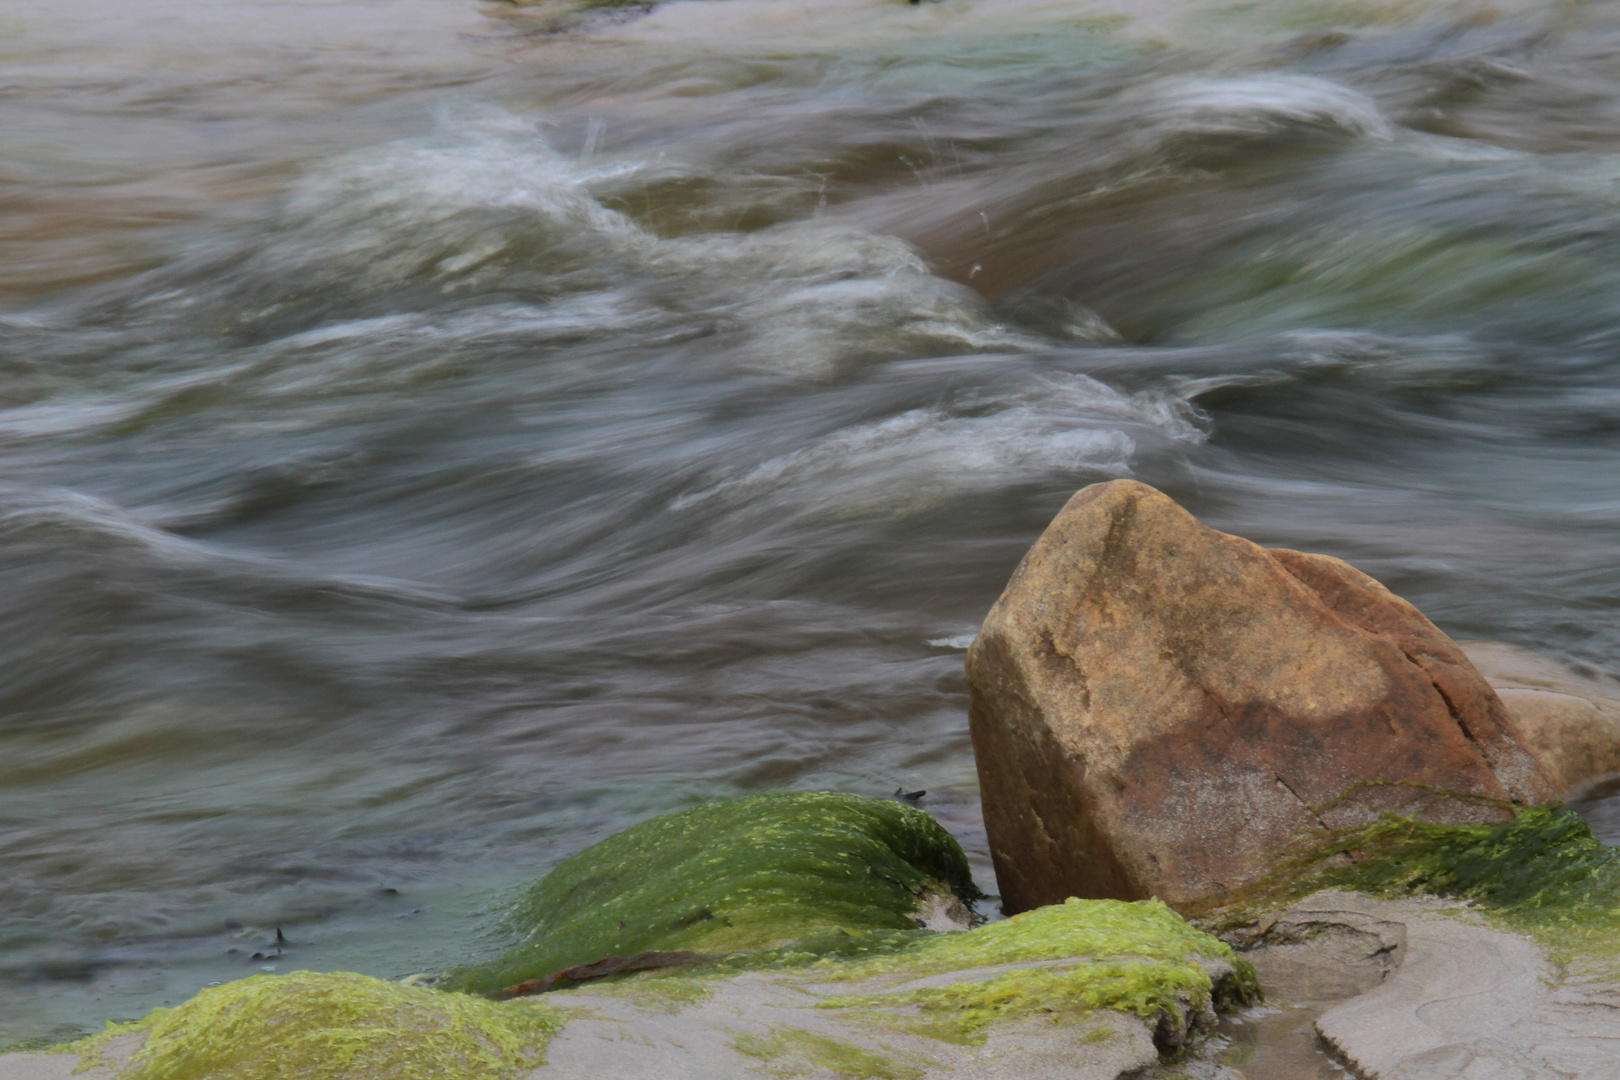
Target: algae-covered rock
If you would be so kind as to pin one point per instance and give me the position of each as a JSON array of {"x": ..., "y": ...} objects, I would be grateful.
[
  {"x": 1543, "y": 864},
  {"x": 731, "y": 876},
  {"x": 335, "y": 1026},
  {"x": 1085, "y": 990},
  {"x": 1541, "y": 873},
  {"x": 806, "y": 905},
  {"x": 1069, "y": 959}
]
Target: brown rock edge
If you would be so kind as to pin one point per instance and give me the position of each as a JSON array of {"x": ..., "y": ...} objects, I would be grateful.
[
  {"x": 1158, "y": 708},
  {"x": 601, "y": 969}
]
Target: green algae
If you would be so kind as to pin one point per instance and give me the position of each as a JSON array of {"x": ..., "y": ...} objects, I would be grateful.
[
  {"x": 1147, "y": 929},
  {"x": 1081, "y": 956},
  {"x": 332, "y": 1026},
  {"x": 793, "y": 1051},
  {"x": 749, "y": 874},
  {"x": 966, "y": 1012},
  {"x": 828, "y": 884},
  {"x": 1540, "y": 872},
  {"x": 659, "y": 991},
  {"x": 1138, "y": 957}
]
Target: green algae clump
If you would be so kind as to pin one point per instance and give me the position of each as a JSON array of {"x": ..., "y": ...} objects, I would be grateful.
[
  {"x": 333, "y": 1026},
  {"x": 1138, "y": 957},
  {"x": 1541, "y": 872},
  {"x": 1145, "y": 929},
  {"x": 726, "y": 877}
]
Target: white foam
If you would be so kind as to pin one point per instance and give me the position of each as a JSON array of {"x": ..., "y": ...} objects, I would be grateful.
[
  {"x": 1063, "y": 425},
  {"x": 454, "y": 204},
  {"x": 495, "y": 203},
  {"x": 1250, "y": 105}
]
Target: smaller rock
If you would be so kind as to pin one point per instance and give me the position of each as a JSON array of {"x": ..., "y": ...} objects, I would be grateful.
[{"x": 1571, "y": 721}]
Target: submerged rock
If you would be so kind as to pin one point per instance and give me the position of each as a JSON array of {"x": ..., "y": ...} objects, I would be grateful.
[
  {"x": 733, "y": 877},
  {"x": 1159, "y": 709}
]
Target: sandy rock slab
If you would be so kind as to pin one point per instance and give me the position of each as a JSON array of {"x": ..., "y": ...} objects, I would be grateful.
[
  {"x": 761, "y": 1025},
  {"x": 64, "y": 1066},
  {"x": 758, "y": 1026},
  {"x": 1425, "y": 990}
]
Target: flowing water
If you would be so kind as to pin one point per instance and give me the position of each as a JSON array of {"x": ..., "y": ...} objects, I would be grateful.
[{"x": 430, "y": 442}]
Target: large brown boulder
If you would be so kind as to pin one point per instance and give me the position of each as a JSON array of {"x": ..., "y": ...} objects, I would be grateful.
[{"x": 1158, "y": 708}]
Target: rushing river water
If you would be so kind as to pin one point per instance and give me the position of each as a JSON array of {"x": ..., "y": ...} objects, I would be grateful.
[{"x": 429, "y": 443}]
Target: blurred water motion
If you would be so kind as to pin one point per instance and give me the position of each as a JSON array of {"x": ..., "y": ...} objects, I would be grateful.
[{"x": 431, "y": 442}]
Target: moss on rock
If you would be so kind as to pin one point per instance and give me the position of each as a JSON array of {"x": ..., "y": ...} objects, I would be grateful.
[
  {"x": 1540, "y": 872},
  {"x": 748, "y": 874},
  {"x": 333, "y": 1026},
  {"x": 1137, "y": 957},
  {"x": 1144, "y": 929}
]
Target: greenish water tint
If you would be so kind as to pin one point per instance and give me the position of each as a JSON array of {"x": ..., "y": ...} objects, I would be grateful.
[{"x": 733, "y": 877}]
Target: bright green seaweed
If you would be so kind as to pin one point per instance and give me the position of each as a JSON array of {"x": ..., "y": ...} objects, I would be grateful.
[
  {"x": 725, "y": 877},
  {"x": 1145, "y": 929},
  {"x": 334, "y": 1026},
  {"x": 1137, "y": 957}
]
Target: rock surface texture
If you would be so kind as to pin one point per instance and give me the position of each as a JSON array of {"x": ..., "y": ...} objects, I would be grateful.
[
  {"x": 757, "y": 1027},
  {"x": 1571, "y": 720},
  {"x": 1462, "y": 999},
  {"x": 1158, "y": 708}
]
